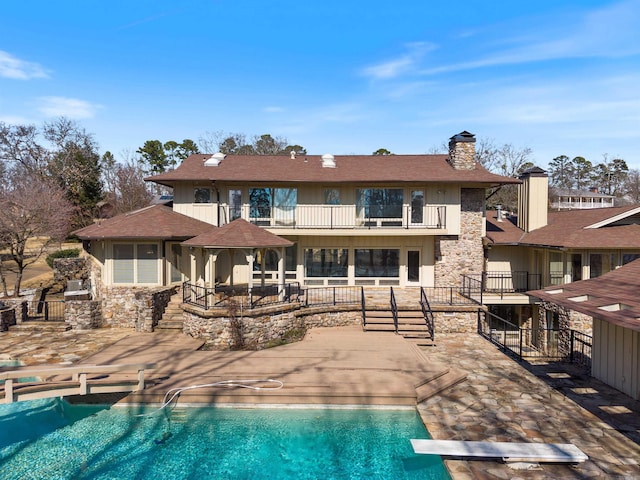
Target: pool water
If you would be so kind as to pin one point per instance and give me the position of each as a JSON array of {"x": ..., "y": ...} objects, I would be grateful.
[{"x": 54, "y": 440}]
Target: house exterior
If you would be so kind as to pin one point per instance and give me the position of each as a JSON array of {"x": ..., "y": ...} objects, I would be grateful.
[
  {"x": 612, "y": 304},
  {"x": 563, "y": 199},
  {"x": 364, "y": 220},
  {"x": 541, "y": 247}
]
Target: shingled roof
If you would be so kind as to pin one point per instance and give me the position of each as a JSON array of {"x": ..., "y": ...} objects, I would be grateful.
[
  {"x": 238, "y": 234},
  {"x": 348, "y": 169},
  {"x": 612, "y": 297},
  {"x": 615, "y": 227},
  {"x": 154, "y": 222}
]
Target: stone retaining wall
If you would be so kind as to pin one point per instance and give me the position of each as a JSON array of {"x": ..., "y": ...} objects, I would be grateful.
[
  {"x": 83, "y": 314},
  {"x": 456, "y": 322},
  {"x": 224, "y": 333},
  {"x": 7, "y": 318},
  {"x": 65, "y": 269},
  {"x": 134, "y": 307}
]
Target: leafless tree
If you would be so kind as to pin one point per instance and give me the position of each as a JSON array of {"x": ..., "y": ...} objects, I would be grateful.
[
  {"x": 632, "y": 186},
  {"x": 31, "y": 208}
]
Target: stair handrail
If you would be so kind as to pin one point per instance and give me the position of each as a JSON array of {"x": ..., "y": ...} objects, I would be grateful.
[
  {"x": 364, "y": 311},
  {"x": 394, "y": 310},
  {"x": 427, "y": 313}
]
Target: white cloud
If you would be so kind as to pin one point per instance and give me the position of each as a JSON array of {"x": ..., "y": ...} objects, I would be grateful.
[
  {"x": 401, "y": 65},
  {"x": 12, "y": 67},
  {"x": 606, "y": 33},
  {"x": 72, "y": 108},
  {"x": 273, "y": 109}
]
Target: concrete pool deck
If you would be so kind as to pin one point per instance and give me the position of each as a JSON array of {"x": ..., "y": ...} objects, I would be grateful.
[{"x": 500, "y": 400}]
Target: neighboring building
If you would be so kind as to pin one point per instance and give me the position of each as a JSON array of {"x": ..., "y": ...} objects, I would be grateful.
[
  {"x": 612, "y": 304},
  {"x": 562, "y": 199},
  {"x": 403, "y": 220}
]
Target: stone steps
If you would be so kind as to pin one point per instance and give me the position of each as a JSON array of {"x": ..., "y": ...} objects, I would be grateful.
[{"x": 172, "y": 318}]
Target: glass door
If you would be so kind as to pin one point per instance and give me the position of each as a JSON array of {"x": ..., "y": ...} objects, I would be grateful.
[{"x": 413, "y": 267}]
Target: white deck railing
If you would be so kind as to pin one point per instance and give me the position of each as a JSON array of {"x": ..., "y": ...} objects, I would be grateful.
[{"x": 76, "y": 380}]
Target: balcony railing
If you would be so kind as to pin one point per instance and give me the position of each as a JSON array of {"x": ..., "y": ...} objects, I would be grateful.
[
  {"x": 338, "y": 216},
  {"x": 500, "y": 283}
]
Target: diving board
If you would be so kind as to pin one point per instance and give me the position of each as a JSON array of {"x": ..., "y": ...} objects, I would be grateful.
[{"x": 507, "y": 451}]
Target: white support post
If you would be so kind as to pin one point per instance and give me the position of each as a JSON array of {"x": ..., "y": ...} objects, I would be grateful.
[
  {"x": 8, "y": 390},
  {"x": 83, "y": 384}
]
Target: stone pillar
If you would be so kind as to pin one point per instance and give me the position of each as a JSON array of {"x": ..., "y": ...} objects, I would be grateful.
[{"x": 457, "y": 255}]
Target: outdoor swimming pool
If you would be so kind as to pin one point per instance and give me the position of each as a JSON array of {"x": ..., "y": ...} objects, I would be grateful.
[{"x": 55, "y": 440}]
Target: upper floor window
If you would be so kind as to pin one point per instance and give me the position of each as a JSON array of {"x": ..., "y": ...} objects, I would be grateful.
[
  {"x": 201, "y": 195},
  {"x": 331, "y": 196},
  {"x": 278, "y": 204},
  {"x": 380, "y": 202},
  {"x": 235, "y": 204}
]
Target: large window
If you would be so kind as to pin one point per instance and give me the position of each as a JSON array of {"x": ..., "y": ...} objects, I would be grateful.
[
  {"x": 382, "y": 262},
  {"x": 379, "y": 202},
  {"x": 326, "y": 262},
  {"x": 600, "y": 263},
  {"x": 278, "y": 204},
  {"x": 235, "y": 204},
  {"x": 201, "y": 195},
  {"x": 135, "y": 263},
  {"x": 271, "y": 260}
]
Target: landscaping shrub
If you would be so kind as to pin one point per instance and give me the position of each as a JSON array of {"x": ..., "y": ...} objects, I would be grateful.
[{"x": 68, "y": 253}]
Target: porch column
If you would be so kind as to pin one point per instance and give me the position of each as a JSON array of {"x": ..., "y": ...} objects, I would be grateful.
[
  {"x": 281, "y": 272},
  {"x": 250, "y": 260}
]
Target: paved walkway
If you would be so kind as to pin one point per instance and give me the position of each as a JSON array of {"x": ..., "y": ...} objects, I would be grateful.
[{"x": 501, "y": 400}]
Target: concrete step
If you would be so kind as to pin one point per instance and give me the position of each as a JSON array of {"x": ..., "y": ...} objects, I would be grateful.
[
  {"x": 436, "y": 386},
  {"x": 35, "y": 326},
  {"x": 169, "y": 325}
]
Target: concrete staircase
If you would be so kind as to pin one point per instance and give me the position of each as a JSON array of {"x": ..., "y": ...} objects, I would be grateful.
[
  {"x": 411, "y": 323},
  {"x": 172, "y": 318}
]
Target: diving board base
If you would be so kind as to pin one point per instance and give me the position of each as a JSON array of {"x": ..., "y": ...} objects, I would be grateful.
[{"x": 507, "y": 451}]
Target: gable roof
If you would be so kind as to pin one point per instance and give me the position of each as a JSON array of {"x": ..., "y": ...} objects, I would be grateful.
[
  {"x": 612, "y": 297},
  {"x": 615, "y": 227},
  {"x": 238, "y": 234},
  {"x": 154, "y": 222},
  {"x": 308, "y": 168}
]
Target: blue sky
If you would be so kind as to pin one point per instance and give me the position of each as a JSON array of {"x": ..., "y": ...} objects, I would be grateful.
[{"x": 560, "y": 77}]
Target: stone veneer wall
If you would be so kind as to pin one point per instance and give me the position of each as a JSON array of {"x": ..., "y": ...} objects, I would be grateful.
[
  {"x": 223, "y": 333},
  {"x": 7, "y": 318},
  {"x": 16, "y": 304},
  {"x": 65, "y": 269},
  {"x": 83, "y": 314},
  {"x": 462, "y": 254},
  {"x": 134, "y": 307},
  {"x": 456, "y": 322}
]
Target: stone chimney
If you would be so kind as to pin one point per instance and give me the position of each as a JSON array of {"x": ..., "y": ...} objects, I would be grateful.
[
  {"x": 533, "y": 199},
  {"x": 462, "y": 151}
]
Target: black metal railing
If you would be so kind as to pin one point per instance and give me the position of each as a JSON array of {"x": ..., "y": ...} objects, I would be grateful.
[
  {"x": 44, "y": 311},
  {"x": 427, "y": 313},
  {"x": 549, "y": 343},
  {"x": 499, "y": 283},
  {"x": 472, "y": 288},
  {"x": 394, "y": 309},
  {"x": 363, "y": 307},
  {"x": 333, "y": 296},
  {"x": 447, "y": 296},
  {"x": 257, "y": 296}
]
